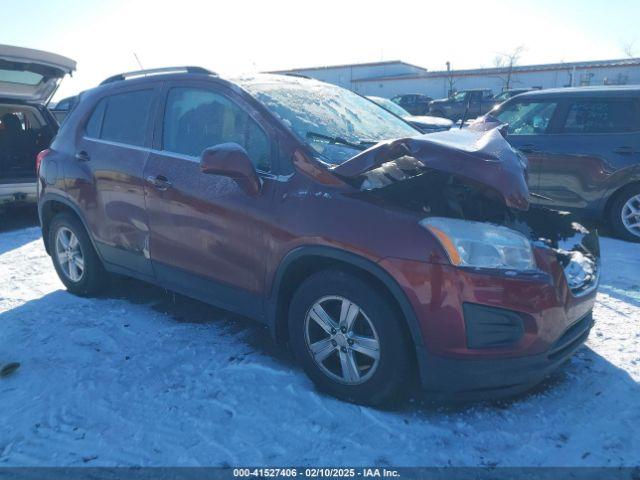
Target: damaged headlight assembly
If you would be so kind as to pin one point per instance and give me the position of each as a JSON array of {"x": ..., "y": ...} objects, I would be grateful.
[{"x": 482, "y": 245}]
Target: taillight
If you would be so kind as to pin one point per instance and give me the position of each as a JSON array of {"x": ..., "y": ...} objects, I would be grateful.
[{"x": 40, "y": 157}]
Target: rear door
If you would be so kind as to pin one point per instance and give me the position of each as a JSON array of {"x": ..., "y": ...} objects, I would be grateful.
[
  {"x": 596, "y": 139},
  {"x": 206, "y": 231},
  {"x": 31, "y": 75},
  {"x": 108, "y": 185}
]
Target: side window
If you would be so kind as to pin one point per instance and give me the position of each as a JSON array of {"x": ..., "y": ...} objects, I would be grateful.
[
  {"x": 527, "y": 118},
  {"x": 126, "y": 117},
  {"x": 94, "y": 125},
  {"x": 603, "y": 116},
  {"x": 196, "y": 119},
  {"x": 121, "y": 118}
]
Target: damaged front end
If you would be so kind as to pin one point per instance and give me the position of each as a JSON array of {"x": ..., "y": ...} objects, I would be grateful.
[{"x": 474, "y": 175}]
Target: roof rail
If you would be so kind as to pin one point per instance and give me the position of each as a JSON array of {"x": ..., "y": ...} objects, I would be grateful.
[{"x": 156, "y": 71}]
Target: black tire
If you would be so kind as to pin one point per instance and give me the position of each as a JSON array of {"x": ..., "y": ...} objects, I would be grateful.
[
  {"x": 94, "y": 276},
  {"x": 389, "y": 381},
  {"x": 615, "y": 213}
]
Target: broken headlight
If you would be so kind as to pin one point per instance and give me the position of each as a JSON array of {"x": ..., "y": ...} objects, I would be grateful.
[{"x": 478, "y": 244}]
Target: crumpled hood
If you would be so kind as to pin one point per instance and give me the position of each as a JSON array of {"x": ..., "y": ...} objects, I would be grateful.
[{"x": 478, "y": 155}]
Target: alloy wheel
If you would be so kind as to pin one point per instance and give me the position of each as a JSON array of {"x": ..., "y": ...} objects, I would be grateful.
[
  {"x": 631, "y": 215},
  {"x": 342, "y": 340},
  {"x": 69, "y": 254}
]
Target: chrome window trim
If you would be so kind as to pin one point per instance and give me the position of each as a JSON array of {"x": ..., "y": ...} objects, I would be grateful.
[{"x": 181, "y": 156}]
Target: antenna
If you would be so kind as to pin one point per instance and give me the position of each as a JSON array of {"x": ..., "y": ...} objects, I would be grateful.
[{"x": 138, "y": 60}]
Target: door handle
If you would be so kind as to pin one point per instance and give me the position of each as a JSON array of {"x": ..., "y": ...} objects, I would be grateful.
[
  {"x": 159, "y": 181},
  {"x": 625, "y": 150},
  {"x": 529, "y": 148},
  {"x": 82, "y": 156}
]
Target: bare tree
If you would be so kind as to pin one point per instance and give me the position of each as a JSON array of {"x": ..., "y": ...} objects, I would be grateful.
[
  {"x": 629, "y": 48},
  {"x": 506, "y": 62}
]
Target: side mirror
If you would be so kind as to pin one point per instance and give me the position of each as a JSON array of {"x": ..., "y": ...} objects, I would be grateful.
[{"x": 231, "y": 160}]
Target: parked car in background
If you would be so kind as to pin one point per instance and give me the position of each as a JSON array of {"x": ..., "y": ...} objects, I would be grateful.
[
  {"x": 376, "y": 252},
  {"x": 424, "y": 123},
  {"x": 473, "y": 102},
  {"x": 583, "y": 146},
  {"x": 414, "y": 103},
  {"x": 28, "y": 78},
  {"x": 61, "y": 109}
]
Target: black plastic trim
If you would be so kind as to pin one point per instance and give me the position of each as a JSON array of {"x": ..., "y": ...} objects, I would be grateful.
[
  {"x": 227, "y": 297},
  {"x": 54, "y": 197},
  {"x": 491, "y": 327}
]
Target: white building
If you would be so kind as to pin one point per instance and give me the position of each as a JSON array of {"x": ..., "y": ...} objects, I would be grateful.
[{"x": 387, "y": 79}]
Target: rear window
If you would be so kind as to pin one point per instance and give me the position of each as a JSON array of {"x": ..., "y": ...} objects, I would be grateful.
[
  {"x": 20, "y": 77},
  {"x": 122, "y": 117},
  {"x": 603, "y": 116}
]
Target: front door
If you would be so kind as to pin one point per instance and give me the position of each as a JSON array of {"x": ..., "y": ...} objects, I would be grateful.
[{"x": 206, "y": 237}]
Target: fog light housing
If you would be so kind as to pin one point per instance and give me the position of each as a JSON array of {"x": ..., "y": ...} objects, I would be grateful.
[{"x": 491, "y": 327}]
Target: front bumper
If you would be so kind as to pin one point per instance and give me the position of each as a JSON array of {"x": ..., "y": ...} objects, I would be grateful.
[
  {"x": 454, "y": 378},
  {"x": 554, "y": 322},
  {"x": 18, "y": 192}
]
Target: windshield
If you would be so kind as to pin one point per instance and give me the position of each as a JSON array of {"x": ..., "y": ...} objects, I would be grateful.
[
  {"x": 391, "y": 106},
  {"x": 460, "y": 96},
  {"x": 335, "y": 122}
]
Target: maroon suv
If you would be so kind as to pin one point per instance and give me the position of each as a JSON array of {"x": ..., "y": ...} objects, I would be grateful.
[{"x": 374, "y": 251}]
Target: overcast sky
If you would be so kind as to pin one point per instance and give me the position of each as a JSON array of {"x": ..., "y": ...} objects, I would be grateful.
[{"x": 238, "y": 36}]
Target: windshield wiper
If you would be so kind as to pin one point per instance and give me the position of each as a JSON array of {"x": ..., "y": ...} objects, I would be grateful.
[{"x": 363, "y": 145}]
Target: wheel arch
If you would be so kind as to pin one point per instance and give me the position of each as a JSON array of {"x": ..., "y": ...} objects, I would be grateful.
[
  {"x": 306, "y": 260},
  {"x": 49, "y": 206},
  {"x": 615, "y": 194}
]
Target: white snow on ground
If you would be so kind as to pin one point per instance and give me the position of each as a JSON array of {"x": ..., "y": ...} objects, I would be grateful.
[{"x": 141, "y": 379}]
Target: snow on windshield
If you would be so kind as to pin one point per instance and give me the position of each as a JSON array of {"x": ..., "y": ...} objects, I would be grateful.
[{"x": 334, "y": 121}]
